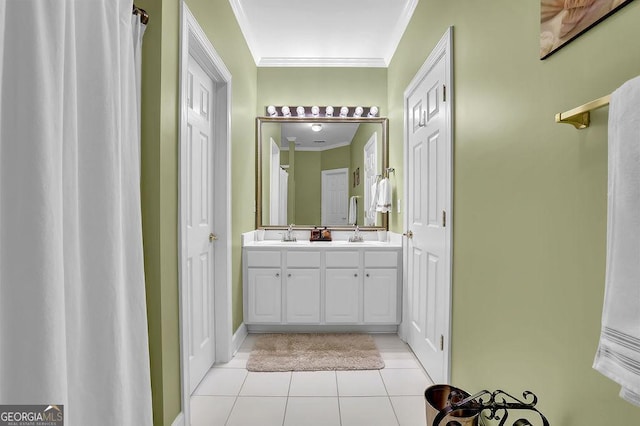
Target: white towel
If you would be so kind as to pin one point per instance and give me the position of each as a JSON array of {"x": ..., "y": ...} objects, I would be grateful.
[
  {"x": 384, "y": 196},
  {"x": 618, "y": 355},
  {"x": 371, "y": 210},
  {"x": 353, "y": 210}
]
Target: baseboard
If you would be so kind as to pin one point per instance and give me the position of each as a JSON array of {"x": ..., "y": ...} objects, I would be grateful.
[
  {"x": 238, "y": 338},
  {"x": 179, "y": 421},
  {"x": 322, "y": 328}
]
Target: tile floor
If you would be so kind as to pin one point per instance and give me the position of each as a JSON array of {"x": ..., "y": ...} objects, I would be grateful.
[{"x": 229, "y": 395}]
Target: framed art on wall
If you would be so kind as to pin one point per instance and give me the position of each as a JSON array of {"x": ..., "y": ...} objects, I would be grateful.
[{"x": 561, "y": 21}]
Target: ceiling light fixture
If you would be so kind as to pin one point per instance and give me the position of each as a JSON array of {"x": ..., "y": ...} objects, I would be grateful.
[{"x": 316, "y": 127}]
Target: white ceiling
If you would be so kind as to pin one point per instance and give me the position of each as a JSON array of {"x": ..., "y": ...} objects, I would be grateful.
[
  {"x": 332, "y": 135},
  {"x": 336, "y": 33}
]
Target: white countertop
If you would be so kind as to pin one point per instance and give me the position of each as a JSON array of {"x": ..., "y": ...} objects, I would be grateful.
[
  {"x": 321, "y": 244},
  {"x": 371, "y": 240}
]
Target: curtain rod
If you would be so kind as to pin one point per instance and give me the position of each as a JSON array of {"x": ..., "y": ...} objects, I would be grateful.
[
  {"x": 579, "y": 117},
  {"x": 144, "y": 16}
]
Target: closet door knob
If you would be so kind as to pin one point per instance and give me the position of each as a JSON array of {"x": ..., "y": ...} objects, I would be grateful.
[{"x": 212, "y": 237}]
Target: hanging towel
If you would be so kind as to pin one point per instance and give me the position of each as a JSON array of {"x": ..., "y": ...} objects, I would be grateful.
[
  {"x": 371, "y": 211},
  {"x": 618, "y": 355},
  {"x": 384, "y": 196},
  {"x": 353, "y": 210}
]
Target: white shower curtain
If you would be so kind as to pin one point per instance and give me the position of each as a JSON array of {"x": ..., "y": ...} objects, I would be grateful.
[{"x": 73, "y": 327}]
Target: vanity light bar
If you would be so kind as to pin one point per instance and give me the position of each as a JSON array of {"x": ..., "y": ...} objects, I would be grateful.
[{"x": 321, "y": 111}]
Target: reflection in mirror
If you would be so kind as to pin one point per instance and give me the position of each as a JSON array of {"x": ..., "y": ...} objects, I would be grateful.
[{"x": 319, "y": 172}]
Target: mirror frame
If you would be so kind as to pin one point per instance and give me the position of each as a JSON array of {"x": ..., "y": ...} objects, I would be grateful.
[{"x": 384, "y": 121}]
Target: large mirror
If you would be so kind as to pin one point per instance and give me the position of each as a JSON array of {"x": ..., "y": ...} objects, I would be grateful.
[{"x": 320, "y": 171}]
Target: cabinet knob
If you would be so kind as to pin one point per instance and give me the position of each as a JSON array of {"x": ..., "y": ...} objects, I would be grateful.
[
  {"x": 277, "y": 274},
  {"x": 355, "y": 275},
  {"x": 289, "y": 275},
  {"x": 367, "y": 275}
]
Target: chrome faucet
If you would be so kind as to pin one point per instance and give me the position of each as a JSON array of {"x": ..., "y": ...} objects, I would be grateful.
[
  {"x": 289, "y": 235},
  {"x": 356, "y": 237}
]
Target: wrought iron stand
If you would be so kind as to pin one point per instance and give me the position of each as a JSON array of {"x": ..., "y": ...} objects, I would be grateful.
[{"x": 495, "y": 406}]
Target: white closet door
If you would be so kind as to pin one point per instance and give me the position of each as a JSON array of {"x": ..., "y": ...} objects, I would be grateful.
[{"x": 199, "y": 212}]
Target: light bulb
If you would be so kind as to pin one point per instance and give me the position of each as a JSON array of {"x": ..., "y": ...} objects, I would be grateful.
[
  {"x": 358, "y": 112},
  {"x": 329, "y": 111},
  {"x": 286, "y": 112},
  {"x": 300, "y": 111},
  {"x": 315, "y": 111},
  {"x": 373, "y": 111},
  {"x": 344, "y": 111},
  {"x": 316, "y": 127},
  {"x": 271, "y": 110}
]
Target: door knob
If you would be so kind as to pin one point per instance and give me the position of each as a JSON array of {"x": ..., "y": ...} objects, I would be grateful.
[
  {"x": 212, "y": 237},
  {"x": 408, "y": 234}
]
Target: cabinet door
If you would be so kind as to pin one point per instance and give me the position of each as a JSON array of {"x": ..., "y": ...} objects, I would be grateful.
[
  {"x": 303, "y": 296},
  {"x": 342, "y": 296},
  {"x": 380, "y": 296},
  {"x": 265, "y": 295}
]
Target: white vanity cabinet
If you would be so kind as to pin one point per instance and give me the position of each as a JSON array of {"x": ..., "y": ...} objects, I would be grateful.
[
  {"x": 380, "y": 287},
  {"x": 343, "y": 289},
  {"x": 317, "y": 287},
  {"x": 302, "y": 287},
  {"x": 264, "y": 287}
]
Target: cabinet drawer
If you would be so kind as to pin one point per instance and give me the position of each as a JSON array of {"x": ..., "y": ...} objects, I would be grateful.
[
  {"x": 381, "y": 259},
  {"x": 342, "y": 259},
  {"x": 303, "y": 259},
  {"x": 263, "y": 259}
]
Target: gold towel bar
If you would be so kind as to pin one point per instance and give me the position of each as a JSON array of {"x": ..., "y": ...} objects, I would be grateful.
[{"x": 579, "y": 117}]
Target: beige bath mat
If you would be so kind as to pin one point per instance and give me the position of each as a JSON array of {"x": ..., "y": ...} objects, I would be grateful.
[{"x": 314, "y": 352}]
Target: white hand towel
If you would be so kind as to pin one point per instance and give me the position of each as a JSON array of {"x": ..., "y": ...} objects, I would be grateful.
[
  {"x": 384, "y": 196},
  {"x": 371, "y": 211},
  {"x": 353, "y": 210},
  {"x": 618, "y": 355}
]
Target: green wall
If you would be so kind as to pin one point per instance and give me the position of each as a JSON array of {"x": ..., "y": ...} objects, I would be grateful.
[
  {"x": 307, "y": 195},
  {"x": 530, "y": 199},
  {"x": 335, "y": 158},
  {"x": 160, "y": 94},
  {"x": 159, "y": 202}
]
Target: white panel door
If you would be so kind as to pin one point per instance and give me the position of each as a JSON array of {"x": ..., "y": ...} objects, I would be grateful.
[
  {"x": 370, "y": 177},
  {"x": 199, "y": 219},
  {"x": 264, "y": 301},
  {"x": 274, "y": 186},
  {"x": 342, "y": 296},
  {"x": 428, "y": 252},
  {"x": 284, "y": 203},
  {"x": 381, "y": 296},
  {"x": 335, "y": 197},
  {"x": 303, "y": 296}
]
